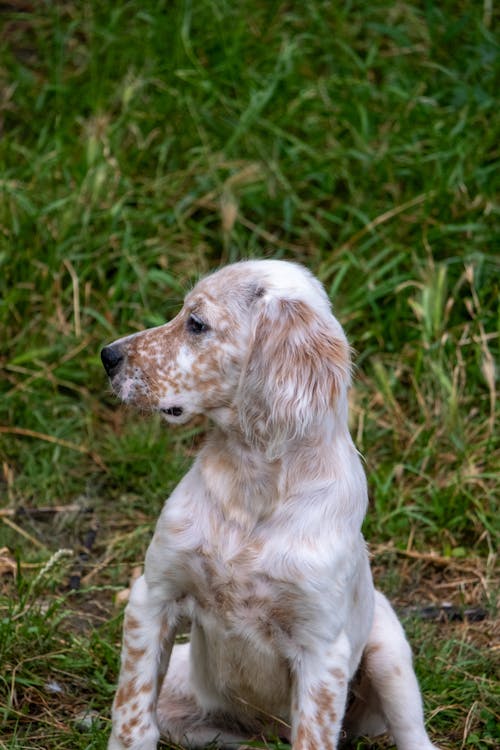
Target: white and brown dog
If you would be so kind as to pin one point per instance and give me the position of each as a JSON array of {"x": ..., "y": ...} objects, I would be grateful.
[{"x": 260, "y": 545}]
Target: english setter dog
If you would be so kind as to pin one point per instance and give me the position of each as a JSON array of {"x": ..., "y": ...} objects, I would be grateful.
[{"x": 260, "y": 546}]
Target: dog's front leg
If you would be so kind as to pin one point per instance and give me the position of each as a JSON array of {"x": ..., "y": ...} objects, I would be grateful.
[
  {"x": 319, "y": 692},
  {"x": 147, "y": 643}
]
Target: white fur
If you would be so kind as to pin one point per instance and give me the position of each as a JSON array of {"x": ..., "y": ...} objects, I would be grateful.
[{"x": 259, "y": 546}]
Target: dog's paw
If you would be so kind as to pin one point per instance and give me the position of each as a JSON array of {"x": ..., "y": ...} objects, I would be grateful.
[{"x": 143, "y": 739}]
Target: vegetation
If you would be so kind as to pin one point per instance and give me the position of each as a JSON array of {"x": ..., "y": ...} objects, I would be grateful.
[{"x": 144, "y": 143}]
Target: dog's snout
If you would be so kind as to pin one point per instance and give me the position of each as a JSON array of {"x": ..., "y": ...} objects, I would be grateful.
[{"x": 112, "y": 358}]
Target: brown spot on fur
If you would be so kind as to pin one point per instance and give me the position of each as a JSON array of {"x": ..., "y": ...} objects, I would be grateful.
[
  {"x": 339, "y": 676},
  {"x": 131, "y": 623},
  {"x": 135, "y": 653},
  {"x": 296, "y": 313},
  {"x": 369, "y": 651},
  {"x": 283, "y": 618},
  {"x": 325, "y": 716},
  {"x": 147, "y": 687},
  {"x": 124, "y": 736},
  {"x": 324, "y": 700},
  {"x": 124, "y": 693},
  {"x": 216, "y": 463},
  {"x": 221, "y": 599},
  {"x": 304, "y": 738},
  {"x": 176, "y": 529},
  {"x": 326, "y": 738},
  {"x": 125, "y": 730}
]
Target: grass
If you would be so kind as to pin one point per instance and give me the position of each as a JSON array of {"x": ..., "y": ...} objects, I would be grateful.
[{"x": 145, "y": 143}]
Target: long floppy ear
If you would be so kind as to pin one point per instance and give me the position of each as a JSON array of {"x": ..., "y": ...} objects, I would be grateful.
[{"x": 297, "y": 371}]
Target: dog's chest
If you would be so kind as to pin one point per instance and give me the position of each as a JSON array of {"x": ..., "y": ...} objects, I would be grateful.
[{"x": 230, "y": 584}]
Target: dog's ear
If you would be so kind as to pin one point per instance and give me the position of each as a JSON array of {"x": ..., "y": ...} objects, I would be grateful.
[{"x": 298, "y": 370}]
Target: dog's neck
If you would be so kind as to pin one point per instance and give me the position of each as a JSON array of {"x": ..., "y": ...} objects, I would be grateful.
[{"x": 247, "y": 485}]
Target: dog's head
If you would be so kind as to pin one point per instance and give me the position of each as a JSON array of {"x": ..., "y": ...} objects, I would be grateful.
[{"x": 255, "y": 347}]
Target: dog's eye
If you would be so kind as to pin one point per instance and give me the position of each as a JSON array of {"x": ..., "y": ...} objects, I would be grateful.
[{"x": 196, "y": 325}]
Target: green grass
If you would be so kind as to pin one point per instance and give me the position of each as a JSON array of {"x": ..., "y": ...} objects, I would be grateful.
[{"x": 145, "y": 143}]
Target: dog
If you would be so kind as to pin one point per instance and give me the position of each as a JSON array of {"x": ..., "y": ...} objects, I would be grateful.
[{"x": 259, "y": 547}]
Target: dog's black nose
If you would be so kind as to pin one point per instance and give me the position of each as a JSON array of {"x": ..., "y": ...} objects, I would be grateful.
[{"x": 112, "y": 357}]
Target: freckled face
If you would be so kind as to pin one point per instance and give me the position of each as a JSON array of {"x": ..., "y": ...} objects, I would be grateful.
[{"x": 188, "y": 366}]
